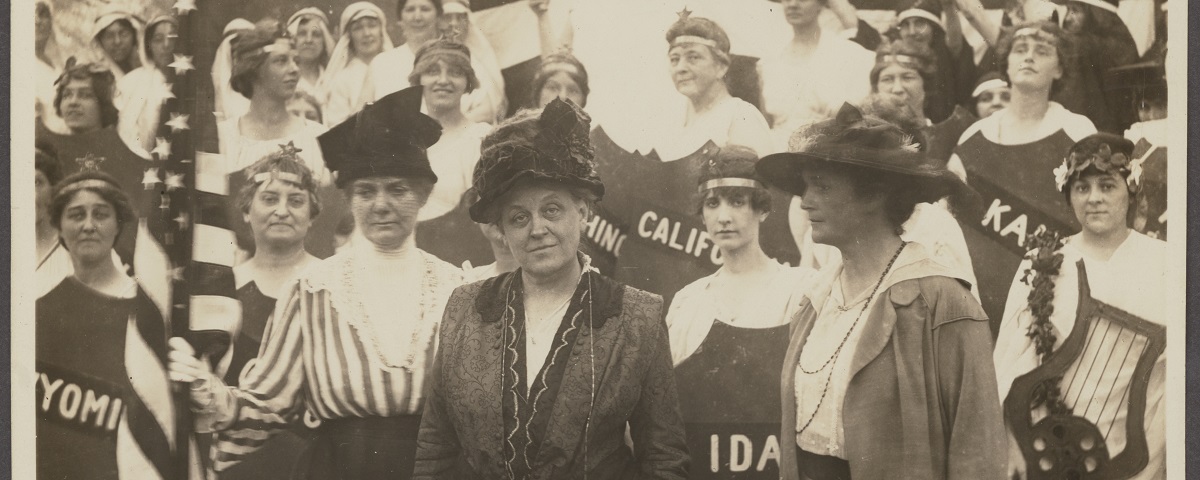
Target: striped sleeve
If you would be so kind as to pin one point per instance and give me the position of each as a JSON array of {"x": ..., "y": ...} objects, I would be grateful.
[{"x": 270, "y": 394}]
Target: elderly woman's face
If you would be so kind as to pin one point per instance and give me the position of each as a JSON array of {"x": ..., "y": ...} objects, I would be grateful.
[
  {"x": 418, "y": 16},
  {"x": 560, "y": 85},
  {"x": 1033, "y": 62},
  {"x": 444, "y": 85},
  {"x": 731, "y": 220},
  {"x": 279, "y": 74},
  {"x": 385, "y": 208},
  {"x": 992, "y": 101},
  {"x": 279, "y": 214},
  {"x": 80, "y": 107},
  {"x": 695, "y": 70},
  {"x": 918, "y": 30},
  {"x": 1100, "y": 202},
  {"x": 162, "y": 44},
  {"x": 366, "y": 36},
  {"x": 118, "y": 41},
  {"x": 43, "y": 192},
  {"x": 89, "y": 226},
  {"x": 834, "y": 208},
  {"x": 309, "y": 40},
  {"x": 542, "y": 225},
  {"x": 903, "y": 85},
  {"x": 801, "y": 12}
]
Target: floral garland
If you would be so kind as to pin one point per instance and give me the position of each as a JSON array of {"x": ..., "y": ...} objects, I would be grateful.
[
  {"x": 1046, "y": 259},
  {"x": 1104, "y": 160}
]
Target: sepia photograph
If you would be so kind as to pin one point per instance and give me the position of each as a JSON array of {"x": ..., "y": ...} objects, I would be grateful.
[{"x": 598, "y": 239}]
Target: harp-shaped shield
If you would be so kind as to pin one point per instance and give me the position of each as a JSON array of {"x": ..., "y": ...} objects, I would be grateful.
[{"x": 1067, "y": 414}]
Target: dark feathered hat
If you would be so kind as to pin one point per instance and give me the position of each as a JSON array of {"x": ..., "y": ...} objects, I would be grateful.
[
  {"x": 554, "y": 147},
  {"x": 387, "y": 138}
]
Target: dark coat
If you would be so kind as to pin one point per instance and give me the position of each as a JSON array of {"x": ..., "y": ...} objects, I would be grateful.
[{"x": 462, "y": 428}]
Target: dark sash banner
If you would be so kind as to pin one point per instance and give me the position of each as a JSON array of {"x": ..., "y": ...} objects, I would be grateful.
[
  {"x": 729, "y": 399},
  {"x": 650, "y": 220},
  {"x": 81, "y": 402},
  {"x": 455, "y": 238},
  {"x": 1016, "y": 185}
]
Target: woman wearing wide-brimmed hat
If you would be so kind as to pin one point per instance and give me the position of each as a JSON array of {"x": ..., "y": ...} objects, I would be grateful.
[
  {"x": 541, "y": 370},
  {"x": 887, "y": 372}
]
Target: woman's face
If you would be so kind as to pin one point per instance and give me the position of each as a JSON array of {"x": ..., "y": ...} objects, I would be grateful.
[
  {"x": 162, "y": 44},
  {"x": 695, "y": 70},
  {"x": 80, "y": 107},
  {"x": 1076, "y": 19},
  {"x": 801, "y": 12},
  {"x": 89, "y": 227},
  {"x": 309, "y": 40},
  {"x": 835, "y": 209},
  {"x": 918, "y": 30},
  {"x": 43, "y": 25},
  {"x": 301, "y": 108},
  {"x": 279, "y": 214},
  {"x": 1033, "y": 62},
  {"x": 560, "y": 85},
  {"x": 118, "y": 41},
  {"x": 731, "y": 220},
  {"x": 902, "y": 84},
  {"x": 456, "y": 25},
  {"x": 42, "y": 193},
  {"x": 418, "y": 16},
  {"x": 542, "y": 226},
  {"x": 991, "y": 101},
  {"x": 1101, "y": 202},
  {"x": 366, "y": 36},
  {"x": 444, "y": 85},
  {"x": 279, "y": 74},
  {"x": 385, "y": 208}
]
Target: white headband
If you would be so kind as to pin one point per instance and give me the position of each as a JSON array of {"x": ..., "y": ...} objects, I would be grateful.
[
  {"x": 900, "y": 58},
  {"x": 693, "y": 39},
  {"x": 919, "y": 13},
  {"x": 454, "y": 7},
  {"x": 989, "y": 85},
  {"x": 263, "y": 177},
  {"x": 730, "y": 182}
]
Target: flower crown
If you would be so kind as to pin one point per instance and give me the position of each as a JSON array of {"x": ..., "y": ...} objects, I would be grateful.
[{"x": 1104, "y": 160}]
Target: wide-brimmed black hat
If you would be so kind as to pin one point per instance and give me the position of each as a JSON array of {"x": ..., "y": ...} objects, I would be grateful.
[
  {"x": 861, "y": 141},
  {"x": 555, "y": 146},
  {"x": 387, "y": 138}
]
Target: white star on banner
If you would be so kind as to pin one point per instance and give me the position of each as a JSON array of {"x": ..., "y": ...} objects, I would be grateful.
[
  {"x": 182, "y": 64},
  {"x": 183, "y": 6},
  {"x": 166, "y": 91},
  {"x": 162, "y": 148},
  {"x": 177, "y": 274},
  {"x": 150, "y": 178},
  {"x": 178, "y": 122},
  {"x": 174, "y": 181},
  {"x": 182, "y": 220}
]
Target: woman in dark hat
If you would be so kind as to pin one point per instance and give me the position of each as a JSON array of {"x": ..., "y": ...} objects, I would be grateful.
[
  {"x": 699, "y": 59},
  {"x": 887, "y": 372},
  {"x": 1108, "y": 262},
  {"x": 730, "y": 327},
  {"x": 540, "y": 370},
  {"x": 352, "y": 339}
]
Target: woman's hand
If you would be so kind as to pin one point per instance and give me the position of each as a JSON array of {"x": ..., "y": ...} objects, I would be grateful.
[{"x": 183, "y": 366}]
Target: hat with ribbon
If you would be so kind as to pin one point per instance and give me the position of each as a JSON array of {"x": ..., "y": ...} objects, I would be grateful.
[
  {"x": 387, "y": 138},
  {"x": 555, "y": 147},
  {"x": 861, "y": 141}
]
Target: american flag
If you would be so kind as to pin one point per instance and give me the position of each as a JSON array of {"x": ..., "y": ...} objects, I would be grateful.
[{"x": 185, "y": 253}]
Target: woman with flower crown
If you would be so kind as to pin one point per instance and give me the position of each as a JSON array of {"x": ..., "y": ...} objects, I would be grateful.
[{"x": 1106, "y": 261}]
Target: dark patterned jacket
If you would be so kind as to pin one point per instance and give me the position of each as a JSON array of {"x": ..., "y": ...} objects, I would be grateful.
[{"x": 462, "y": 430}]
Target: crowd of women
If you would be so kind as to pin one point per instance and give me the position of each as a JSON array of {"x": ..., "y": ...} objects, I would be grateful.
[{"x": 970, "y": 235}]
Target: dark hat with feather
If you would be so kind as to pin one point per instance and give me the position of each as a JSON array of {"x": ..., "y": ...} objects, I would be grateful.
[
  {"x": 861, "y": 141},
  {"x": 387, "y": 138},
  {"x": 555, "y": 146}
]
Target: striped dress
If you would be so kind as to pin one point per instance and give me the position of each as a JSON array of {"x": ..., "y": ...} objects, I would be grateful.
[{"x": 325, "y": 348}]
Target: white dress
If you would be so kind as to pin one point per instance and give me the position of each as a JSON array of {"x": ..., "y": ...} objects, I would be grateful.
[
  {"x": 140, "y": 96},
  {"x": 349, "y": 90},
  {"x": 733, "y": 121},
  {"x": 453, "y": 159},
  {"x": 1133, "y": 279},
  {"x": 241, "y": 151}
]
